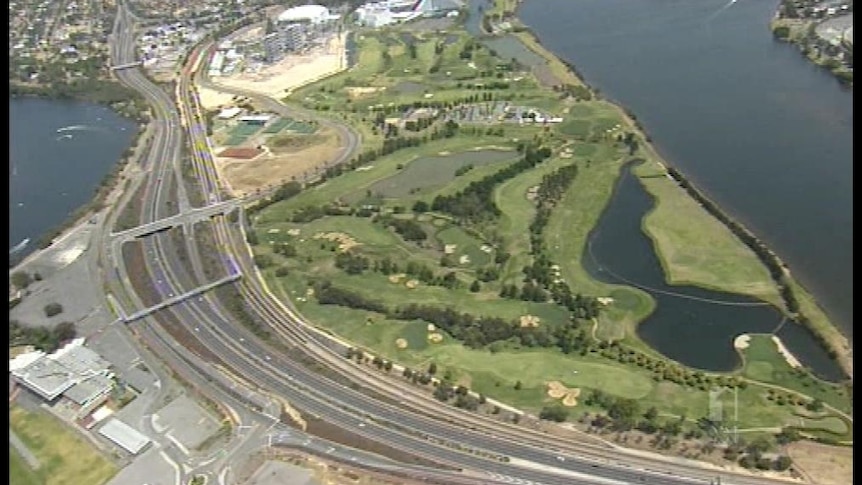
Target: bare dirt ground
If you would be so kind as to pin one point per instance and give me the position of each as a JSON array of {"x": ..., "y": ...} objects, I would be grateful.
[
  {"x": 294, "y": 71},
  {"x": 212, "y": 99},
  {"x": 823, "y": 464},
  {"x": 278, "y": 165}
]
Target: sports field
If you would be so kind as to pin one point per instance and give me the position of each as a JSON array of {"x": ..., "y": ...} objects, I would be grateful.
[{"x": 65, "y": 457}]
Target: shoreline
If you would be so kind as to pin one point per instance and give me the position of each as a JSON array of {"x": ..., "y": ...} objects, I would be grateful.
[
  {"x": 830, "y": 336},
  {"x": 103, "y": 199}
]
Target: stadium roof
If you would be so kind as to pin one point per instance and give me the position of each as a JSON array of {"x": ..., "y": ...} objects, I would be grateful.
[
  {"x": 124, "y": 435},
  {"x": 304, "y": 13}
]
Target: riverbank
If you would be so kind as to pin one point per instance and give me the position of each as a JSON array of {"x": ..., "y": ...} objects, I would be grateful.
[
  {"x": 799, "y": 304},
  {"x": 803, "y": 33}
]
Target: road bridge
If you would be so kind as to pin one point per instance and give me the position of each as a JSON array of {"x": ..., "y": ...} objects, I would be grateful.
[
  {"x": 180, "y": 298},
  {"x": 126, "y": 66},
  {"x": 191, "y": 216}
]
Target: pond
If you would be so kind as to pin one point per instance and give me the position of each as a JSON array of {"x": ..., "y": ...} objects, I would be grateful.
[{"x": 691, "y": 325}]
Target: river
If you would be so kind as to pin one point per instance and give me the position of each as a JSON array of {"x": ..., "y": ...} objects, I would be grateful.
[{"x": 60, "y": 151}]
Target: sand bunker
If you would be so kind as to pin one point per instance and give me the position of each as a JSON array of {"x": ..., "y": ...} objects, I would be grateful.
[
  {"x": 486, "y": 249},
  {"x": 791, "y": 360},
  {"x": 531, "y": 192},
  {"x": 396, "y": 278},
  {"x": 605, "y": 300},
  {"x": 345, "y": 242},
  {"x": 464, "y": 259},
  {"x": 309, "y": 292},
  {"x": 435, "y": 338},
  {"x": 530, "y": 321},
  {"x": 293, "y": 232},
  {"x": 741, "y": 341},
  {"x": 401, "y": 343},
  {"x": 450, "y": 248},
  {"x": 431, "y": 327},
  {"x": 412, "y": 284},
  {"x": 358, "y": 92},
  {"x": 557, "y": 390}
]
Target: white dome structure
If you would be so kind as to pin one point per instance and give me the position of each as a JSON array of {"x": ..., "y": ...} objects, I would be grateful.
[{"x": 314, "y": 14}]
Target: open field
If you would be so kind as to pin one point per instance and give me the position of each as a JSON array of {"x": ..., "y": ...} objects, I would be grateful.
[
  {"x": 822, "y": 464},
  {"x": 65, "y": 457},
  {"x": 286, "y": 156},
  {"x": 400, "y": 71},
  {"x": 19, "y": 472}
]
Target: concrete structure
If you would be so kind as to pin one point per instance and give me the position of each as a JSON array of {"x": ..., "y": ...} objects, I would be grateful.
[
  {"x": 378, "y": 14},
  {"x": 216, "y": 64},
  {"x": 125, "y": 436},
  {"x": 229, "y": 113}
]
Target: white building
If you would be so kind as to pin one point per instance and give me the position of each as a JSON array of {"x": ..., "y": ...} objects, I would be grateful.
[
  {"x": 124, "y": 435},
  {"x": 312, "y": 14},
  {"x": 73, "y": 373}
]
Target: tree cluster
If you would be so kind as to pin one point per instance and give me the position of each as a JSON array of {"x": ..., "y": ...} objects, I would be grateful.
[
  {"x": 475, "y": 202},
  {"x": 44, "y": 339}
]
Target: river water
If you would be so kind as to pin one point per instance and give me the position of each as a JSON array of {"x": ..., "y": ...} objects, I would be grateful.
[
  {"x": 60, "y": 151},
  {"x": 764, "y": 133}
]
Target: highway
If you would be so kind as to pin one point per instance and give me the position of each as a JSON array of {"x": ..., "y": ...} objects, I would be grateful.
[{"x": 310, "y": 392}]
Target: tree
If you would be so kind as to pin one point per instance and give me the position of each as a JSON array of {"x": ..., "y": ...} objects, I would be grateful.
[
  {"x": 787, "y": 435},
  {"x": 554, "y": 413},
  {"x": 518, "y": 385},
  {"x": 816, "y": 405},
  {"x": 782, "y": 463},
  {"x": 65, "y": 331},
  {"x": 475, "y": 287},
  {"x": 432, "y": 368},
  {"x": 52, "y": 309},
  {"x": 651, "y": 413},
  {"x": 21, "y": 279},
  {"x": 420, "y": 206}
]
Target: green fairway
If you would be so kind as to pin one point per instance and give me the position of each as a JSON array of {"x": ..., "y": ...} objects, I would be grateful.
[
  {"x": 695, "y": 248},
  {"x": 764, "y": 363},
  {"x": 65, "y": 457},
  {"x": 466, "y": 249},
  {"x": 431, "y": 172}
]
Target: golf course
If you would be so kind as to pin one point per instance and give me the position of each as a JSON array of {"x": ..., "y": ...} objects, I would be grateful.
[{"x": 456, "y": 239}]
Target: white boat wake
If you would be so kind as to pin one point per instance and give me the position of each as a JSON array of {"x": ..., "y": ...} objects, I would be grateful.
[
  {"x": 77, "y": 128},
  {"x": 63, "y": 137},
  {"x": 21, "y": 245},
  {"x": 722, "y": 9}
]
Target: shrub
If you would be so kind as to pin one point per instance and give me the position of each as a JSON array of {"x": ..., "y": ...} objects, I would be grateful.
[{"x": 52, "y": 309}]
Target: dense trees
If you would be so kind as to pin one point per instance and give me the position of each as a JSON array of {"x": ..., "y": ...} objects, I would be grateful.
[
  {"x": 52, "y": 309},
  {"x": 408, "y": 229},
  {"x": 554, "y": 412},
  {"x": 45, "y": 339}
]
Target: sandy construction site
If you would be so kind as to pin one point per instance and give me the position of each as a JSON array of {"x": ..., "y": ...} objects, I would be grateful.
[{"x": 294, "y": 71}]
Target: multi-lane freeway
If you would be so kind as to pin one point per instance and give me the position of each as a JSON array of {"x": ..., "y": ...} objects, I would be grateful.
[{"x": 498, "y": 452}]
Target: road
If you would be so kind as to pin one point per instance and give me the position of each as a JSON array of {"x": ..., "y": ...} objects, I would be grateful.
[{"x": 503, "y": 454}]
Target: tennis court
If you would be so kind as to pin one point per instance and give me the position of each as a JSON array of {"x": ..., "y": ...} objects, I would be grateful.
[
  {"x": 302, "y": 127},
  {"x": 277, "y": 126}
]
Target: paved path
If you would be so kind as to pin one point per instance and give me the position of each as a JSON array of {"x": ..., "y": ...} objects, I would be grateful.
[{"x": 22, "y": 449}]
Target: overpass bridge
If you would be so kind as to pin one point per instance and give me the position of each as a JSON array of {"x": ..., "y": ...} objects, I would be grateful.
[
  {"x": 177, "y": 299},
  {"x": 189, "y": 217},
  {"x": 127, "y": 65}
]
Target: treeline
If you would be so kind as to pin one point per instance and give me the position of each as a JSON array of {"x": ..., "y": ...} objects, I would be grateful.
[
  {"x": 542, "y": 277},
  {"x": 475, "y": 202},
  {"x": 409, "y": 230},
  {"x": 44, "y": 339}
]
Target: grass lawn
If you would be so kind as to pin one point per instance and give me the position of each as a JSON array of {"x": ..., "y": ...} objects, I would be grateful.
[
  {"x": 65, "y": 457},
  {"x": 20, "y": 473},
  {"x": 695, "y": 248}
]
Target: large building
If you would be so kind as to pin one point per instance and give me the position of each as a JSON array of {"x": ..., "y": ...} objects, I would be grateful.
[
  {"x": 378, "y": 14},
  {"x": 74, "y": 374},
  {"x": 310, "y": 14}
]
